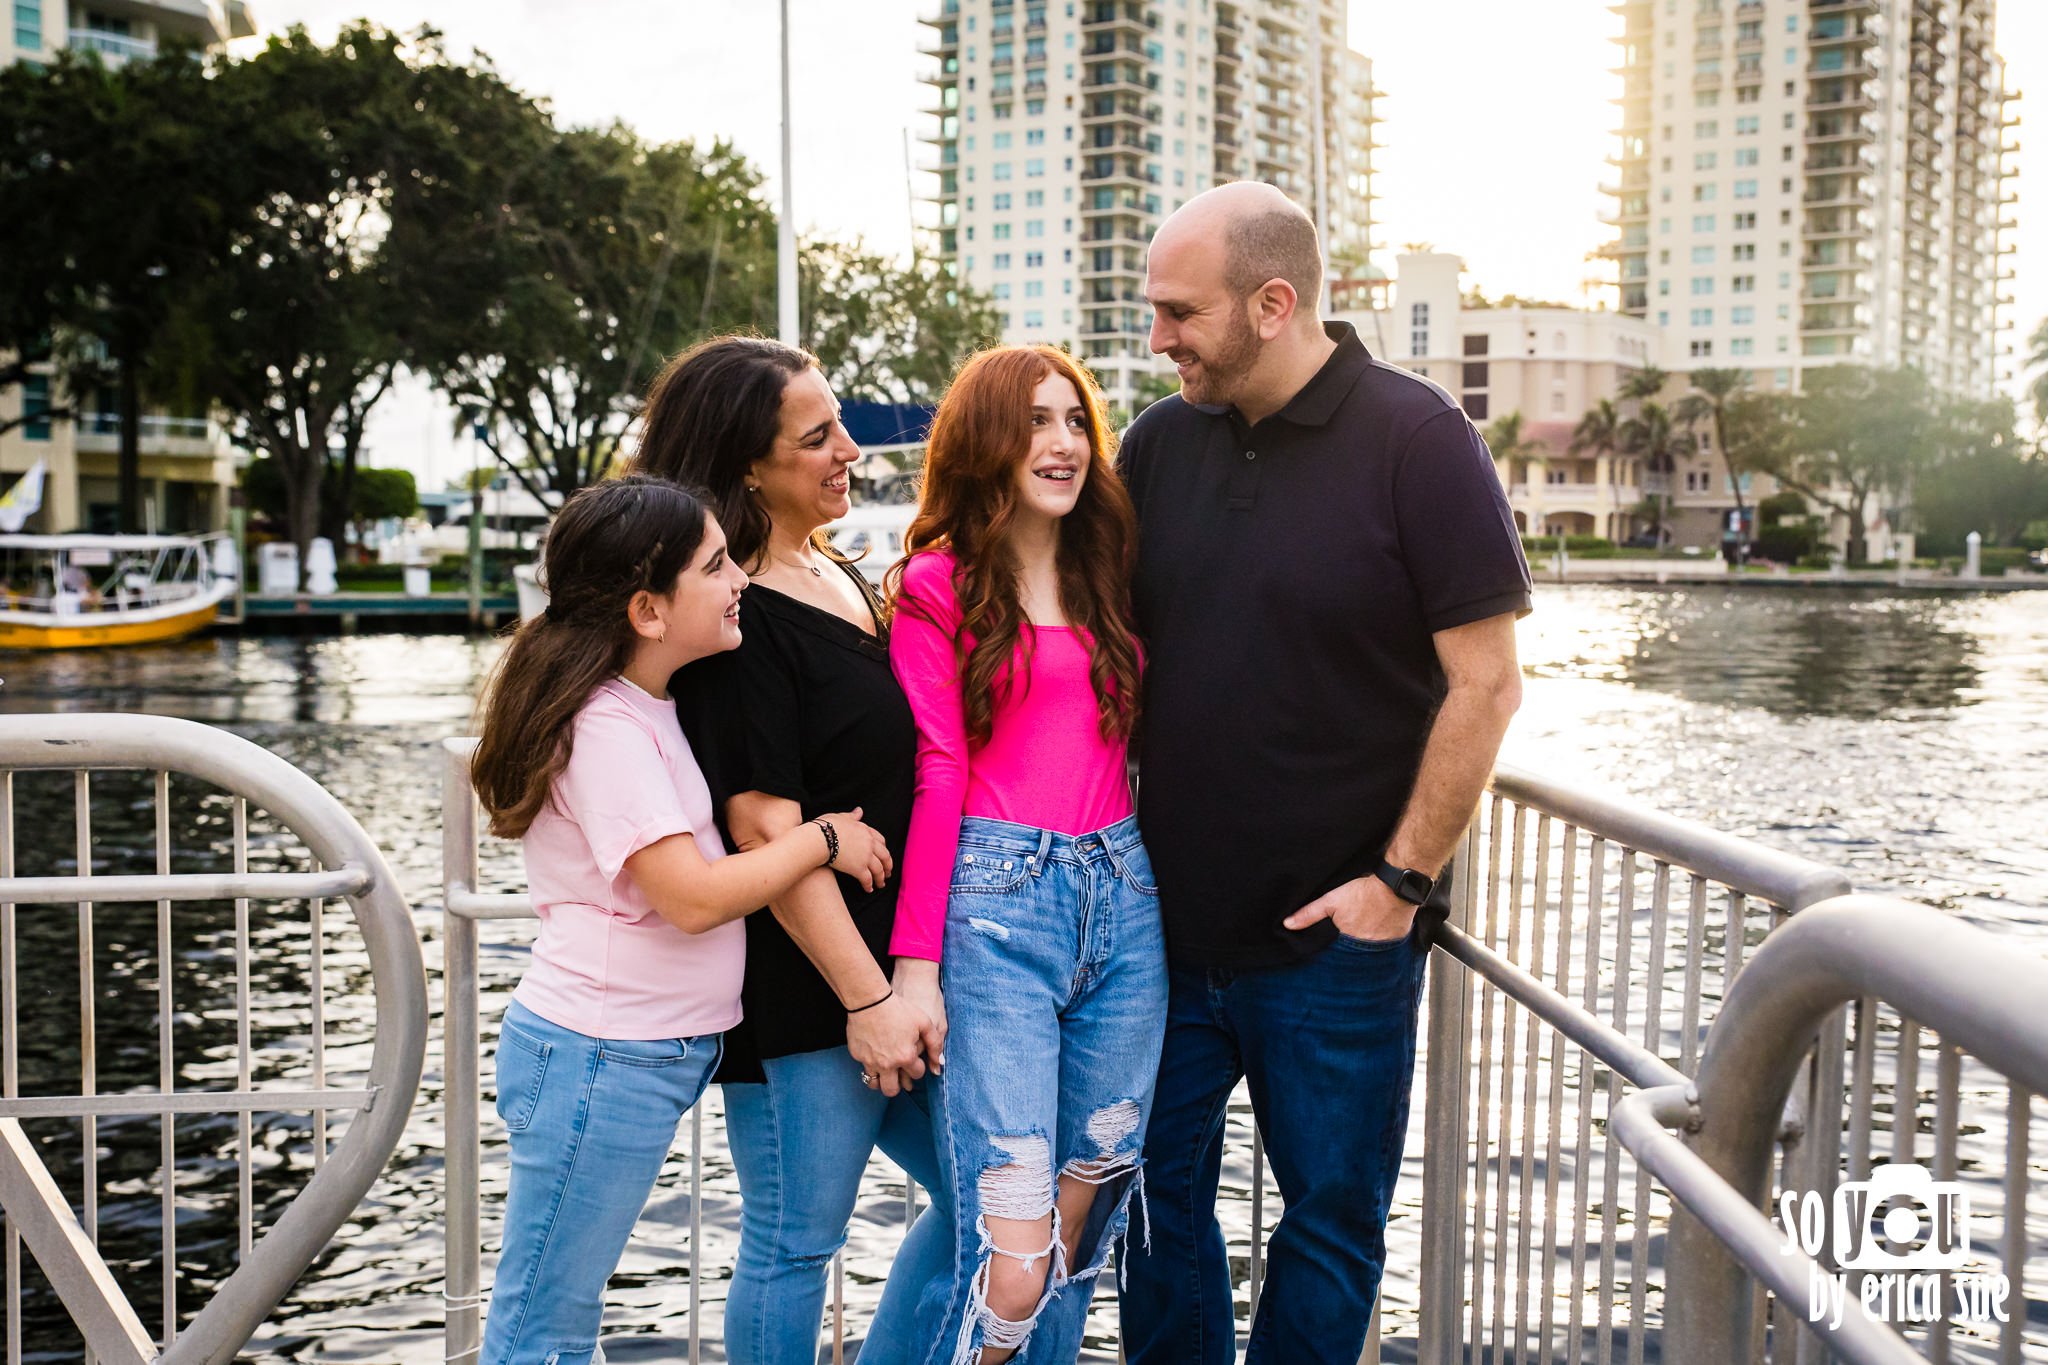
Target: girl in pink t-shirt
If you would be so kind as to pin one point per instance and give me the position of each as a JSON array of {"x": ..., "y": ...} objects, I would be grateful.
[
  {"x": 613, "y": 1032},
  {"x": 1028, "y": 912}
]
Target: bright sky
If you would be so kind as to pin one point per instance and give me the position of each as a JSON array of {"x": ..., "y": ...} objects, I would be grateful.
[{"x": 1494, "y": 148}]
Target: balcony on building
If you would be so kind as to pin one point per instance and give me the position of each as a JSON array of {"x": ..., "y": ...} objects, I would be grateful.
[{"x": 1116, "y": 16}]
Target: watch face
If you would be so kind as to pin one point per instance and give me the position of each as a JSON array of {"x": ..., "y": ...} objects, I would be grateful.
[{"x": 1415, "y": 887}]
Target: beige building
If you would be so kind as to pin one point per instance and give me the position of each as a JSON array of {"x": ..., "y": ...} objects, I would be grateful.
[
  {"x": 188, "y": 466},
  {"x": 1808, "y": 182},
  {"x": 1548, "y": 364},
  {"x": 1067, "y": 129}
]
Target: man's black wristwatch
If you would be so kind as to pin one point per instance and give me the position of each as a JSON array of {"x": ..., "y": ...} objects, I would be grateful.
[{"x": 1406, "y": 882}]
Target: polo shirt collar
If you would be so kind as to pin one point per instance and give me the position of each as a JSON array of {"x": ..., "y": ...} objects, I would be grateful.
[{"x": 1317, "y": 401}]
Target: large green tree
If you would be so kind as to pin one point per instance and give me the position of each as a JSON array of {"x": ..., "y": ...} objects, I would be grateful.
[
  {"x": 885, "y": 331},
  {"x": 1979, "y": 477},
  {"x": 611, "y": 255},
  {"x": 113, "y": 199},
  {"x": 1860, "y": 433},
  {"x": 370, "y": 157}
]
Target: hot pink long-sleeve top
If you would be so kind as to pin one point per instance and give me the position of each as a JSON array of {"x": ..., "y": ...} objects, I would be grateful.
[{"x": 1045, "y": 765}]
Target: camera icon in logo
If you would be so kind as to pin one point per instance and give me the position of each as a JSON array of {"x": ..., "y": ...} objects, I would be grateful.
[{"x": 1900, "y": 1219}]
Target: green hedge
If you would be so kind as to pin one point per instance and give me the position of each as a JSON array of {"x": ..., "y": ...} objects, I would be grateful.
[
  {"x": 1998, "y": 560},
  {"x": 1785, "y": 542},
  {"x": 1578, "y": 545}
]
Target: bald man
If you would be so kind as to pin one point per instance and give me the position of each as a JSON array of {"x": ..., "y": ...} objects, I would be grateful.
[{"x": 1328, "y": 579}]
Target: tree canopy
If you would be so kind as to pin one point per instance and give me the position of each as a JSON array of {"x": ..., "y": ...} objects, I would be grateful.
[{"x": 295, "y": 229}]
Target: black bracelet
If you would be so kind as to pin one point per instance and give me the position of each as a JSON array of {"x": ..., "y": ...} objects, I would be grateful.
[
  {"x": 831, "y": 840},
  {"x": 870, "y": 1005}
]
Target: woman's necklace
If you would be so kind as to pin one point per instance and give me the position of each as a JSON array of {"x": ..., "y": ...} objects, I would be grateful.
[{"x": 816, "y": 572}]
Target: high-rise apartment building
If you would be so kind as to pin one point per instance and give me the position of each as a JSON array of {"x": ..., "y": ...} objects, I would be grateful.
[
  {"x": 1067, "y": 129},
  {"x": 1807, "y": 182}
]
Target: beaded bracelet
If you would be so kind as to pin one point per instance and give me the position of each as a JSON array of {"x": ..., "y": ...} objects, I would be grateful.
[{"x": 831, "y": 840}]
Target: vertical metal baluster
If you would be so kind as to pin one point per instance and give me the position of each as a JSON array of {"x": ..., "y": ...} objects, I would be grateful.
[
  {"x": 1482, "y": 1078},
  {"x": 1862, "y": 1094},
  {"x": 696, "y": 1230},
  {"x": 1738, "y": 936},
  {"x": 1906, "y": 1090},
  {"x": 1504, "y": 1165},
  {"x": 1596, "y": 891},
  {"x": 1255, "y": 1277},
  {"x": 1948, "y": 1074},
  {"x": 1610, "y": 1187},
  {"x": 2019, "y": 1114},
  {"x": 243, "y": 1120},
  {"x": 1653, "y": 1037},
  {"x": 1539, "y": 906},
  {"x": 1695, "y": 951},
  {"x": 318, "y": 971},
  {"x": 839, "y": 1308},
  {"x": 1862, "y": 1088},
  {"x": 909, "y": 1204},
  {"x": 10, "y": 1073},
  {"x": 88, "y": 1012},
  {"x": 1561, "y": 981},
  {"x": 166, "y": 1071}
]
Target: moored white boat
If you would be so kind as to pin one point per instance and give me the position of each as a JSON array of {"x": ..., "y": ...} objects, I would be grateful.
[{"x": 85, "y": 591}]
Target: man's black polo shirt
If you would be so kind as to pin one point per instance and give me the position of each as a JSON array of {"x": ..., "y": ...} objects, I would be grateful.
[{"x": 1290, "y": 575}]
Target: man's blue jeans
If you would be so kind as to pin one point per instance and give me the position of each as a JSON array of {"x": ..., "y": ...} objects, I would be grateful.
[
  {"x": 590, "y": 1120},
  {"x": 1329, "y": 1048}
]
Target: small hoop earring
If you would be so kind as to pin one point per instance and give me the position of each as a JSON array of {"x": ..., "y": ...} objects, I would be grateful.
[{"x": 662, "y": 638}]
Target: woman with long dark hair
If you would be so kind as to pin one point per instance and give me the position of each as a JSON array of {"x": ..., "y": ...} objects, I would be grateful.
[
  {"x": 614, "y": 1029},
  {"x": 1027, "y": 899},
  {"x": 803, "y": 717}
]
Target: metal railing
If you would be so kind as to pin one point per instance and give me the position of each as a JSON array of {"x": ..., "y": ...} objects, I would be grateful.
[
  {"x": 1608, "y": 950},
  {"x": 268, "y": 833},
  {"x": 1592, "y": 947}
]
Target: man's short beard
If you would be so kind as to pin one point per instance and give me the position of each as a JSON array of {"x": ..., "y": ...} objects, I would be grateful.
[{"x": 1221, "y": 376}]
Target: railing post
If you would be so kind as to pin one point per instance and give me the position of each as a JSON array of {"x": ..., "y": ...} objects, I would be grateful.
[
  {"x": 463, "y": 1274},
  {"x": 1445, "y": 1082}
]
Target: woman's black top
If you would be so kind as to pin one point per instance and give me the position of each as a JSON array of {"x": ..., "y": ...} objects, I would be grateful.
[{"x": 807, "y": 709}]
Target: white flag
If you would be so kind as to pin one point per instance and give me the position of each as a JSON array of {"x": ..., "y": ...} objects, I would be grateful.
[{"x": 23, "y": 500}]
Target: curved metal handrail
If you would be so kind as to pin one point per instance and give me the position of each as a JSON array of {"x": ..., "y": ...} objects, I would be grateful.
[
  {"x": 1783, "y": 879},
  {"x": 339, "y": 844},
  {"x": 1955, "y": 979}
]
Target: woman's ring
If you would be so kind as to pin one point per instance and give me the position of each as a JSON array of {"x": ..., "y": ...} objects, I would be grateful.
[{"x": 867, "y": 1078}]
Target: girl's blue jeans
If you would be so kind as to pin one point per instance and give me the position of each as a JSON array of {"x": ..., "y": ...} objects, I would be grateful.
[
  {"x": 591, "y": 1121},
  {"x": 1055, "y": 982}
]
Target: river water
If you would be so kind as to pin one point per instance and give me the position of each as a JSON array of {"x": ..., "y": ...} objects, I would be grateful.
[{"x": 1903, "y": 738}]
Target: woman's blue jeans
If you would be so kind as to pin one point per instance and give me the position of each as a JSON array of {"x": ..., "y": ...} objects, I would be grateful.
[
  {"x": 800, "y": 1141},
  {"x": 1055, "y": 982},
  {"x": 591, "y": 1121}
]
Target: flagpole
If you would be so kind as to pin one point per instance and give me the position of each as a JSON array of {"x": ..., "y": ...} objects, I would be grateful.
[{"x": 785, "y": 237}]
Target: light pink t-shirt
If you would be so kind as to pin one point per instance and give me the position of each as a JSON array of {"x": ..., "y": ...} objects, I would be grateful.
[
  {"x": 606, "y": 964},
  {"x": 1045, "y": 765}
]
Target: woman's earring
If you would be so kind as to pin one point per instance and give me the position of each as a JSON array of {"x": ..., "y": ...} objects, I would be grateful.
[
  {"x": 662, "y": 638},
  {"x": 753, "y": 488}
]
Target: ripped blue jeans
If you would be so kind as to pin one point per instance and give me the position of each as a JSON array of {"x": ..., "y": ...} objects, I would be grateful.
[{"x": 1055, "y": 980}]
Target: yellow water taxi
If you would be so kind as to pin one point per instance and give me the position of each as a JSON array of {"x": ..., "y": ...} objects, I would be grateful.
[{"x": 84, "y": 591}]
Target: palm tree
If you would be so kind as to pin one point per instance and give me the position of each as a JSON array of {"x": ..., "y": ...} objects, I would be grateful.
[
  {"x": 2037, "y": 359},
  {"x": 1654, "y": 438},
  {"x": 1505, "y": 440},
  {"x": 1712, "y": 392},
  {"x": 1599, "y": 433},
  {"x": 1645, "y": 384}
]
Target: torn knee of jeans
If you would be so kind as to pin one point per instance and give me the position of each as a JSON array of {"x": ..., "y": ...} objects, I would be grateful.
[
  {"x": 1114, "y": 1131},
  {"x": 997, "y": 1331},
  {"x": 1019, "y": 1185},
  {"x": 809, "y": 1260}
]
